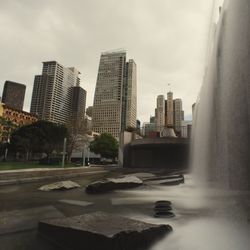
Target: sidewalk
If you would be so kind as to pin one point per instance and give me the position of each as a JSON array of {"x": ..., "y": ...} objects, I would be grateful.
[{"x": 8, "y": 177}]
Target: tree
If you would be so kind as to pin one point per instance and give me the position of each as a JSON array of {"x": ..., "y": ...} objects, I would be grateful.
[
  {"x": 76, "y": 136},
  {"x": 39, "y": 137},
  {"x": 6, "y": 128},
  {"x": 105, "y": 145},
  {"x": 27, "y": 140},
  {"x": 131, "y": 129},
  {"x": 52, "y": 135}
]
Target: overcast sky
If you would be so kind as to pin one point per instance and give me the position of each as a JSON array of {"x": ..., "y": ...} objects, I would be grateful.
[{"x": 166, "y": 38}]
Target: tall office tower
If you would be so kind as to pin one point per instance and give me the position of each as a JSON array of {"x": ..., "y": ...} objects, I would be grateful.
[
  {"x": 78, "y": 104},
  {"x": 160, "y": 113},
  {"x": 114, "y": 106},
  {"x": 178, "y": 115},
  {"x": 169, "y": 115},
  {"x": 13, "y": 94},
  {"x": 52, "y": 92},
  {"x": 129, "y": 103}
]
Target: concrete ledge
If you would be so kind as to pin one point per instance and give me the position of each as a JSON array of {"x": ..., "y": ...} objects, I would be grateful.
[{"x": 34, "y": 175}]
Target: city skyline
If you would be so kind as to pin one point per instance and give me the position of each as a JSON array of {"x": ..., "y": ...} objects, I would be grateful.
[{"x": 167, "y": 55}]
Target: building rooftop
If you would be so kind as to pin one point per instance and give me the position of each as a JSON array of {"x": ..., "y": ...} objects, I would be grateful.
[
  {"x": 18, "y": 110},
  {"x": 115, "y": 51}
]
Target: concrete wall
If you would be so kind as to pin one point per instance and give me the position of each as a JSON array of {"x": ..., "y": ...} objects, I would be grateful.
[{"x": 169, "y": 153}]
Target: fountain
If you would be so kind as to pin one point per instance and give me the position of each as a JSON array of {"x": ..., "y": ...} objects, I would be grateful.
[
  {"x": 219, "y": 212},
  {"x": 222, "y": 130}
]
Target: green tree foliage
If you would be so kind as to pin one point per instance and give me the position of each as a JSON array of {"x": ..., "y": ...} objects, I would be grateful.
[
  {"x": 9, "y": 127},
  {"x": 3, "y": 146},
  {"x": 76, "y": 136},
  {"x": 105, "y": 145},
  {"x": 39, "y": 137},
  {"x": 130, "y": 129}
]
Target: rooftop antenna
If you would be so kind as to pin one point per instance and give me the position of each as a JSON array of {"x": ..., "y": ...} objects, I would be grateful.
[{"x": 169, "y": 84}]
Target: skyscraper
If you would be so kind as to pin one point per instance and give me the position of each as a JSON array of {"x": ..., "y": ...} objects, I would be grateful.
[
  {"x": 52, "y": 92},
  {"x": 78, "y": 104},
  {"x": 178, "y": 115},
  {"x": 13, "y": 94},
  {"x": 129, "y": 96},
  {"x": 115, "y": 104},
  {"x": 169, "y": 115},
  {"x": 160, "y": 113}
]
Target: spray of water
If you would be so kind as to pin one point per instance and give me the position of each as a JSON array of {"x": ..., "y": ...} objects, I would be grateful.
[
  {"x": 222, "y": 129},
  {"x": 221, "y": 143}
]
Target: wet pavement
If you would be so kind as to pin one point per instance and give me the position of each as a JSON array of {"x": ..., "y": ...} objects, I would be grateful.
[{"x": 198, "y": 212}]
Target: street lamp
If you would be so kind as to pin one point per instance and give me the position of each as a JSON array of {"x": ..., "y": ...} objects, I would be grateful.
[
  {"x": 64, "y": 151},
  {"x": 6, "y": 149}
]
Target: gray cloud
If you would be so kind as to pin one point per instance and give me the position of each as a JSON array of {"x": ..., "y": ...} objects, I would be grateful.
[{"x": 166, "y": 38}]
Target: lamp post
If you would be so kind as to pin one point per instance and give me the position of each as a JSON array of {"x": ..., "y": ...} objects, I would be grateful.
[
  {"x": 6, "y": 149},
  {"x": 64, "y": 152},
  {"x": 83, "y": 156}
]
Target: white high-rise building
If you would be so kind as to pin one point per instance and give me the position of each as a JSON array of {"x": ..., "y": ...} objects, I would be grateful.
[
  {"x": 130, "y": 95},
  {"x": 178, "y": 114},
  {"x": 168, "y": 113},
  {"x": 169, "y": 119},
  {"x": 115, "y": 101},
  {"x": 53, "y": 92},
  {"x": 160, "y": 113}
]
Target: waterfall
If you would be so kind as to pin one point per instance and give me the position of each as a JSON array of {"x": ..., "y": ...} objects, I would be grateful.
[{"x": 221, "y": 145}]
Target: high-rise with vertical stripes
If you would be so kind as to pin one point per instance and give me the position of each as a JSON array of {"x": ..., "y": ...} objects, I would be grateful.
[
  {"x": 55, "y": 92},
  {"x": 115, "y": 100}
]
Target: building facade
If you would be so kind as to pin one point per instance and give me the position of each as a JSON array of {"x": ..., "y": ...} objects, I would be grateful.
[
  {"x": 186, "y": 129},
  {"x": 148, "y": 128},
  {"x": 17, "y": 118},
  {"x": 13, "y": 94},
  {"x": 178, "y": 115},
  {"x": 115, "y": 104},
  {"x": 52, "y": 92},
  {"x": 160, "y": 113},
  {"x": 78, "y": 104},
  {"x": 169, "y": 113},
  {"x": 129, "y": 108}
]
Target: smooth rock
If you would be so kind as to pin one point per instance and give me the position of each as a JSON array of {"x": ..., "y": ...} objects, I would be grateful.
[
  {"x": 163, "y": 203},
  {"x": 167, "y": 180},
  {"x": 172, "y": 182},
  {"x": 110, "y": 184},
  {"x": 143, "y": 176},
  {"x": 100, "y": 231},
  {"x": 77, "y": 202},
  {"x": 167, "y": 177},
  {"x": 164, "y": 214},
  {"x": 162, "y": 208},
  {"x": 61, "y": 185}
]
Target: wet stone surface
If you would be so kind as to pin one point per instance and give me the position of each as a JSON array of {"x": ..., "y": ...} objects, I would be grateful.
[
  {"x": 100, "y": 230},
  {"x": 111, "y": 184},
  {"x": 61, "y": 185},
  {"x": 163, "y": 209}
]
